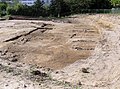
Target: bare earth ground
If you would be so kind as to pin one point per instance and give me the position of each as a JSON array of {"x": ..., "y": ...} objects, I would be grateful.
[{"x": 80, "y": 52}]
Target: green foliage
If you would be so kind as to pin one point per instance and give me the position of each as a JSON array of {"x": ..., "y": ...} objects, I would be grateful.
[
  {"x": 3, "y": 7},
  {"x": 10, "y": 10},
  {"x": 36, "y": 10},
  {"x": 18, "y": 9},
  {"x": 116, "y": 3},
  {"x": 59, "y": 8},
  {"x": 100, "y": 4},
  {"x": 77, "y": 5}
]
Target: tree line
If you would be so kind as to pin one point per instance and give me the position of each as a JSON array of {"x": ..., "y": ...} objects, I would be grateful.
[{"x": 57, "y": 8}]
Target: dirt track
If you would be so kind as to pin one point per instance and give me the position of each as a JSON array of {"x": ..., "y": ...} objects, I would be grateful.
[{"x": 83, "y": 52}]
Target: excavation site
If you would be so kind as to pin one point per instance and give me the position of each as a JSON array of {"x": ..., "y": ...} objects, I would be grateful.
[{"x": 77, "y": 52}]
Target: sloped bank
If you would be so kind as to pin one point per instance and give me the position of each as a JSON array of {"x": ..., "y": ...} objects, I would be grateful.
[{"x": 102, "y": 69}]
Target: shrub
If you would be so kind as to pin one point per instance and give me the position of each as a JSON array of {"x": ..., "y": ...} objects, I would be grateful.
[
  {"x": 3, "y": 7},
  {"x": 10, "y": 10}
]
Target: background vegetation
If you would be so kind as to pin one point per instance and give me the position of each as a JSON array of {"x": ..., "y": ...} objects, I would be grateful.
[{"x": 58, "y": 8}]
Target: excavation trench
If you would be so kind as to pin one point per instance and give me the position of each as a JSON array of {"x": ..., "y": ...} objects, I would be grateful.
[{"x": 52, "y": 46}]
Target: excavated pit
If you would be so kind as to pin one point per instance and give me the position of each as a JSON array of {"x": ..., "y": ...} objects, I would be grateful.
[
  {"x": 47, "y": 44},
  {"x": 83, "y": 50}
]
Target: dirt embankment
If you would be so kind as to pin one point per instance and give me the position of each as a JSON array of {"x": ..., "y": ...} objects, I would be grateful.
[{"x": 101, "y": 70}]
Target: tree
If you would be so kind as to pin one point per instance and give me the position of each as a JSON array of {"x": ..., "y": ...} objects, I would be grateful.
[
  {"x": 38, "y": 8},
  {"x": 3, "y": 7},
  {"x": 77, "y": 5},
  {"x": 116, "y": 3},
  {"x": 59, "y": 8},
  {"x": 101, "y": 4}
]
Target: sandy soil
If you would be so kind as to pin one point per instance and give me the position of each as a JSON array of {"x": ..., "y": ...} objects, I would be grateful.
[{"x": 80, "y": 52}]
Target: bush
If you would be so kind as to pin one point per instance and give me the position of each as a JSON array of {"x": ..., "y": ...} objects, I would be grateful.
[
  {"x": 57, "y": 8},
  {"x": 3, "y": 7},
  {"x": 36, "y": 10},
  {"x": 10, "y": 10}
]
